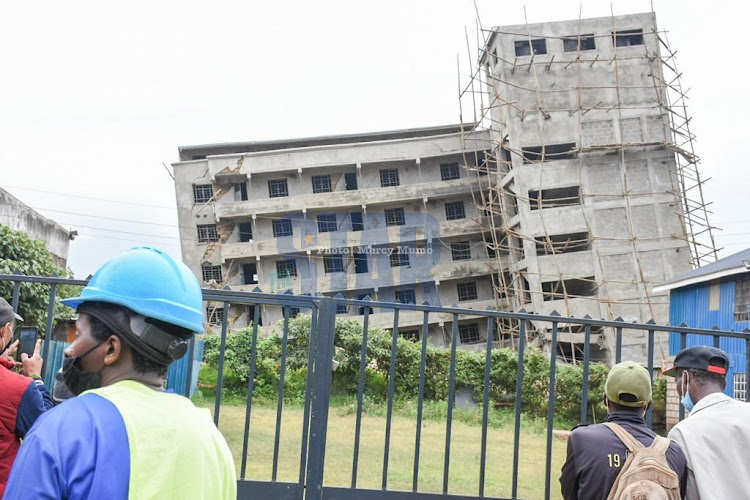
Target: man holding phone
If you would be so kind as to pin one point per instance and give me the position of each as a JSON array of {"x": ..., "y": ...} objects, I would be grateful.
[{"x": 22, "y": 398}]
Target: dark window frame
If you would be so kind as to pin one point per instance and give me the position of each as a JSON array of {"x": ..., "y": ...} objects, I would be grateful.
[
  {"x": 211, "y": 272},
  {"x": 406, "y": 296},
  {"x": 399, "y": 259},
  {"x": 203, "y": 193},
  {"x": 333, "y": 264},
  {"x": 449, "y": 171},
  {"x": 207, "y": 233},
  {"x": 554, "y": 244},
  {"x": 555, "y": 197},
  {"x": 467, "y": 291},
  {"x": 389, "y": 177},
  {"x": 580, "y": 42},
  {"x": 453, "y": 212},
  {"x": 461, "y": 250},
  {"x": 468, "y": 333},
  {"x": 327, "y": 223},
  {"x": 395, "y": 217},
  {"x": 526, "y": 47},
  {"x": 278, "y": 188},
  {"x": 321, "y": 183},
  {"x": 549, "y": 152},
  {"x": 286, "y": 268},
  {"x": 282, "y": 228},
  {"x": 628, "y": 38}
]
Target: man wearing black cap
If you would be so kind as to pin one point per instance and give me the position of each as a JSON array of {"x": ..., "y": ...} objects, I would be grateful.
[
  {"x": 596, "y": 454},
  {"x": 23, "y": 398},
  {"x": 716, "y": 436}
]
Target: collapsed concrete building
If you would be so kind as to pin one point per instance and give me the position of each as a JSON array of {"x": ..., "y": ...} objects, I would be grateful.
[
  {"x": 386, "y": 215},
  {"x": 575, "y": 189},
  {"x": 595, "y": 195}
]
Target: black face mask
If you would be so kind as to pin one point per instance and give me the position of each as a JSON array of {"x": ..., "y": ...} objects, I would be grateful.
[{"x": 77, "y": 380}]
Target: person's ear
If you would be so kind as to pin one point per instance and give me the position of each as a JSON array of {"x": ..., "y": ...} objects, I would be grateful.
[{"x": 114, "y": 349}]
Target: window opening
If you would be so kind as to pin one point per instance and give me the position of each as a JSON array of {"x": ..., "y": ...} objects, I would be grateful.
[
  {"x": 246, "y": 232},
  {"x": 461, "y": 250},
  {"x": 389, "y": 177},
  {"x": 286, "y": 268},
  {"x": 327, "y": 223},
  {"x": 562, "y": 243},
  {"x": 214, "y": 315},
  {"x": 277, "y": 188},
  {"x": 454, "y": 210},
  {"x": 469, "y": 333},
  {"x": 282, "y": 227},
  {"x": 549, "y": 152},
  {"x": 399, "y": 259},
  {"x": 740, "y": 386},
  {"x": 350, "y": 179},
  {"x": 449, "y": 171},
  {"x": 394, "y": 217},
  {"x": 526, "y": 47},
  {"x": 581, "y": 287},
  {"x": 202, "y": 193},
  {"x": 576, "y": 43},
  {"x": 628, "y": 38},
  {"x": 333, "y": 264},
  {"x": 360, "y": 263},
  {"x": 207, "y": 233},
  {"x": 742, "y": 299},
  {"x": 406, "y": 296},
  {"x": 321, "y": 183},
  {"x": 240, "y": 191},
  {"x": 212, "y": 273},
  {"x": 357, "y": 223},
  {"x": 250, "y": 274},
  {"x": 557, "y": 197},
  {"x": 411, "y": 335},
  {"x": 467, "y": 291}
]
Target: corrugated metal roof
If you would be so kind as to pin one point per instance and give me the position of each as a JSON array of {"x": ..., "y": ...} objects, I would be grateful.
[{"x": 734, "y": 261}]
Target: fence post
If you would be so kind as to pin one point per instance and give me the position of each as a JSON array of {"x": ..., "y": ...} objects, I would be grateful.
[{"x": 320, "y": 398}]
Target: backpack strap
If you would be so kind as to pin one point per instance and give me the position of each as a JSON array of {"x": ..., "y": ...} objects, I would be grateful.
[
  {"x": 627, "y": 439},
  {"x": 660, "y": 445}
]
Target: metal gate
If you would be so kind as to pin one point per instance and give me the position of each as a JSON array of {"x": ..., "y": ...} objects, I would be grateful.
[{"x": 311, "y": 448}]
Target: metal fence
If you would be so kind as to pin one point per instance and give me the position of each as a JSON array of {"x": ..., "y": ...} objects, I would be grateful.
[{"x": 310, "y": 481}]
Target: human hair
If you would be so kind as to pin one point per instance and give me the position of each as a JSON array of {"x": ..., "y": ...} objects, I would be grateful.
[
  {"x": 705, "y": 378},
  {"x": 141, "y": 364}
]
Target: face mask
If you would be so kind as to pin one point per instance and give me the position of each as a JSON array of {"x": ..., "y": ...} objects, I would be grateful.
[
  {"x": 77, "y": 380},
  {"x": 687, "y": 401}
]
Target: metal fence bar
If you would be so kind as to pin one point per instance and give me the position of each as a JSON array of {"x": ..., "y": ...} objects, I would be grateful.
[
  {"x": 683, "y": 345},
  {"x": 486, "y": 403},
  {"x": 717, "y": 340},
  {"x": 519, "y": 391},
  {"x": 220, "y": 374},
  {"x": 747, "y": 366},
  {"x": 550, "y": 411},
  {"x": 391, "y": 389},
  {"x": 16, "y": 295},
  {"x": 420, "y": 401},
  {"x": 650, "y": 410},
  {"x": 308, "y": 388},
  {"x": 586, "y": 359},
  {"x": 280, "y": 403},
  {"x": 321, "y": 392},
  {"x": 48, "y": 330},
  {"x": 250, "y": 389},
  {"x": 451, "y": 397},
  {"x": 618, "y": 345},
  {"x": 360, "y": 394}
]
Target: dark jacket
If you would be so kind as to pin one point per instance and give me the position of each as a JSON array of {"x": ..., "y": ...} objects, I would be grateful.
[{"x": 596, "y": 455}]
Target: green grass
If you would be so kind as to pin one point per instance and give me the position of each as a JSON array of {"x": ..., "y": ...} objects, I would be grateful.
[{"x": 465, "y": 448}]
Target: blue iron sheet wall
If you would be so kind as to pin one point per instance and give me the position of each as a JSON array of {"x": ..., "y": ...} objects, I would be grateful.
[{"x": 690, "y": 305}]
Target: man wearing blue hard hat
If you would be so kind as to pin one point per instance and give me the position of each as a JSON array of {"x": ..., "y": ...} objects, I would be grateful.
[{"x": 124, "y": 436}]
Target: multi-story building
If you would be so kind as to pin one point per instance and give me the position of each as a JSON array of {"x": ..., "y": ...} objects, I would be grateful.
[
  {"x": 388, "y": 215},
  {"x": 588, "y": 201},
  {"x": 20, "y": 217}
]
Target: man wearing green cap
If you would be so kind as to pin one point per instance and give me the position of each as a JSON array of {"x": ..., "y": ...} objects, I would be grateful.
[
  {"x": 596, "y": 454},
  {"x": 716, "y": 435}
]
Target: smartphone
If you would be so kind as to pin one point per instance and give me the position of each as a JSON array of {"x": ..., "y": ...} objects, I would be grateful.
[{"x": 27, "y": 336}]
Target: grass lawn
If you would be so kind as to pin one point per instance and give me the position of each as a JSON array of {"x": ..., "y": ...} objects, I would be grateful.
[{"x": 465, "y": 451}]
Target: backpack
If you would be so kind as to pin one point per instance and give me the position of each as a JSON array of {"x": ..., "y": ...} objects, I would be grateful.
[{"x": 646, "y": 475}]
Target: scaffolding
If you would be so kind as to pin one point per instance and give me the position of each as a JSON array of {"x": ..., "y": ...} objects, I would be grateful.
[{"x": 589, "y": 126}]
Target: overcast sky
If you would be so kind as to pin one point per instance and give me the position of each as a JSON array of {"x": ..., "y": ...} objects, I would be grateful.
[{"x": 95, "y": 97}]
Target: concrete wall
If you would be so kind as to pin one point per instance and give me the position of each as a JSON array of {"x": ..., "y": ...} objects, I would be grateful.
[{"x": 20, "y": 217}]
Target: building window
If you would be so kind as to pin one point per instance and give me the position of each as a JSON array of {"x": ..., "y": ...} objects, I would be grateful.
[
  {"x": 454, "y": 210},
  {"x": 627, "y": 38},
  {"x": 333, "y": 264},
  {"x": 406, "y": 296},
  {"x": 207, "y": 232},
  {"x": 740, "y": 387},
  {"x": 449, "y": 171},
  {"x": 528, "y": 47},
  {"x": 360, "y": 263},
  {"x": 357, "y": 223},
  {"x": 562, "y": 243},
  {"x": 572, "y": 288},
  {"x": 557, "y": 197},
  {"x": 362, "y": 309},
  {"x": 326, "y": 223},
  {"x": 215, "y": 315},
  {"x": 549, "y": 152},
  {"x": 341, "y": 308},
  {"x": 282, "y": 227},
  {"x": 211, "y": 273},
  {"x": 411, "y": 335},
  {"x": 469, "y": 333},
  {"x": 240, "y": 191},
  {"x": 277, "y": 188},
  {"x": 293, "y": 312},
  {"x": 389, "y": 177},
  {"x": 742, "y": 299},
  {"x": 286, "y": 268},
  {"x": 399, "y": 259},
  {"x": 581, "y": 42},
  {"x": 461, "y": 250},
  {"x": 394, "y": 217},
  {"x": 249, "y": 274},
  {"x": 321, "y": 183},
  {"x": 350, "y": 181},
  {"x": 467, "y": 291},
  {"x": 246, "y": 232},
  {"x": 203, "y": 193}
]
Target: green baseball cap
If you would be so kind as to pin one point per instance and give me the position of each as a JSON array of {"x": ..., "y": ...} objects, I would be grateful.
[{"x": 628, "y": 384}]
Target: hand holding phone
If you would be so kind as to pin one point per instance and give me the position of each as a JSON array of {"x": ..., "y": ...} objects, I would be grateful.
[
  {"x": 32, "y": 365},
  {"x": 27, "y": 336}
]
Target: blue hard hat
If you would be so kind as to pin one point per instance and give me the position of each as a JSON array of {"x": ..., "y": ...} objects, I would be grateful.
[{"x": 149, "y": 282}]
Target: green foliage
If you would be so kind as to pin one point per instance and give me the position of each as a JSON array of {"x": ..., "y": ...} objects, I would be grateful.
[
  {"x": 469, "y": 371},
  {"x": 18, "y": 252}
]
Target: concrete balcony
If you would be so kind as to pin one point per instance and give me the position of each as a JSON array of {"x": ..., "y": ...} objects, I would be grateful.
[
  {"x": 342, "y": 199},
  {"x": 410, "y": 319},
  {"x": 464, "y": 269},
  {"x": 350, "y": 239}
]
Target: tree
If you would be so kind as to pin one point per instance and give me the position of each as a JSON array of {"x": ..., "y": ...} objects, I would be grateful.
[{"x": 18, "y": 252}]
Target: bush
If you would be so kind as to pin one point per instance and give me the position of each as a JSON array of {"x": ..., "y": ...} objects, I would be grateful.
[{"x": 469, "y": 370}]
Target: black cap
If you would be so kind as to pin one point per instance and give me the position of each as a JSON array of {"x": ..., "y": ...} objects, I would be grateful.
[
  {"x": 700, "y": 357},
  {"x": 7, "y": 314}
]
